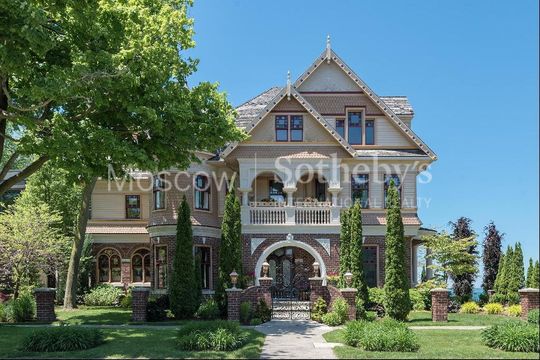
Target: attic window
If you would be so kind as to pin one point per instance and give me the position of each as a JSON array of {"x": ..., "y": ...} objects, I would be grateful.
[
  {"x": 355, "y": 127},
  {"x": 282, "y": 128}
]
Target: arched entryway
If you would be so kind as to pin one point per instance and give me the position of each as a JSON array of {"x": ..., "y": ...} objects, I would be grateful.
[{"x": 287, "y": 256}]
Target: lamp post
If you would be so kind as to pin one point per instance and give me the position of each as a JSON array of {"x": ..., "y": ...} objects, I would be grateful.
[
  {"x": 234, "y": 278},
  {"x": 316, "y": 267},
  {"x": 348, "y": 278}
]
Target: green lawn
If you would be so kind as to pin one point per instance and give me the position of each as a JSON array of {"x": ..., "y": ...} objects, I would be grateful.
[
  {"x": 436, "y": 344},
  {"x": 127, "y": 343},
  {"x": 94, "y": 315},
  {"x": 423, "y": 318}
]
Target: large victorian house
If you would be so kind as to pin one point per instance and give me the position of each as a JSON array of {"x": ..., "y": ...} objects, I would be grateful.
[{"x": 315, "y": 146}]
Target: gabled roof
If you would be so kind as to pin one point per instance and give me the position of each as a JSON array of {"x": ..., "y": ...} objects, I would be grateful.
[
  {"x": 273, "y": 103},
  {"x": 251, "y": 108},
  {"x": 329, "y": 55}
]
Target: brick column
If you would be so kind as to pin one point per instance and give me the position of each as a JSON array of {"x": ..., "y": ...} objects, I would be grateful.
[
  {"x": 45, "y": 304},
  {"x": 439, "y": 305},
  {"x": 530, "y": 300},
  {"x": 265, "y": 283},
  {"x": 316, "y": 289},
  {"x": 349, "y": 295},
  {"x": 233, "y": 304},
  {"x": 139, "y": 302}
]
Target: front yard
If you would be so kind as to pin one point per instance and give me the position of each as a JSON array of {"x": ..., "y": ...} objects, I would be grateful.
[
  {"x": 423, "y": 318},
  {"x": 434, "y": 344},
  {"x": 127, "y": 343}
]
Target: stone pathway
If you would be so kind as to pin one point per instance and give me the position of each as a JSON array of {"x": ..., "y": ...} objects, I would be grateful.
[{"x": 295, "y": 339}]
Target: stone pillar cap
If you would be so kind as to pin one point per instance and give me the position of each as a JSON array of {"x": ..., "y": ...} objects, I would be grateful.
[
  {"x": 527, "y": 290},
  {"x": 348, "y": 290},
  {"x": 233, "y": 290},
  {"x": 315, "y": 278},
  {"x": 265, "y": 278},
  {"x": 140, "y": 288},
  {"x": 439, "y": 290},
  {"x": 44, "y": 289}
]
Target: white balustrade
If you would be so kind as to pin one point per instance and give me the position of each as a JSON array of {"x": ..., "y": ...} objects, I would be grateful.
[
  {"x": 267, "y": 215},
  {"x": 323, "y": 214},
  {"x": 313, "y": 215}
]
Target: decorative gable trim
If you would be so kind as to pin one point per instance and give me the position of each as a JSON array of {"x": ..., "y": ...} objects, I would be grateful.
[
  {"x": 291, "y": 92},
  {"x": 329, "y": 55}
]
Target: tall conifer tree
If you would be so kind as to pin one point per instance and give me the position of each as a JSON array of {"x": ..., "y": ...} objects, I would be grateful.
[
  {"x": 344, "y": 247},
  {"x": 397, "y": 302},
  {"x": 356, "y": 252},
  {"x": 183, "y": 285},
  {"x": 491, "y": 255}
]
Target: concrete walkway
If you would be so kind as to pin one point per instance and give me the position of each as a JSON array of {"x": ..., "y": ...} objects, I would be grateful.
[{"x": 298, "y": 339}]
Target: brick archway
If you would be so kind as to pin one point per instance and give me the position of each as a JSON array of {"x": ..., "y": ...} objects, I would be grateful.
[{"x": 289, "y": 242}]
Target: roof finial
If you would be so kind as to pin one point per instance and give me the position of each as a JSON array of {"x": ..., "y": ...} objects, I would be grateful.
[
  {"x": 289, "y": 85},
  {"x": 328, "y": 49}
]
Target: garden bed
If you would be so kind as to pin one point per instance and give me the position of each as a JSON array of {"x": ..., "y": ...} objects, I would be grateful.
[
  {"x": 441, "y": 344},
  {"x": 128, "y": 343}
]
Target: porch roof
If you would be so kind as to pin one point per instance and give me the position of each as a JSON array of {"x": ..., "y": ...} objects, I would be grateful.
[{"x": 117, "y": 228}]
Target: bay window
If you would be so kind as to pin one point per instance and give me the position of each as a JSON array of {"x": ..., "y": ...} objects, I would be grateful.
[{"x": 202, "y": 193}]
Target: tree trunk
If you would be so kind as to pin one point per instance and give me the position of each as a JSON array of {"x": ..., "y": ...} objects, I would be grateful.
[
  {"x": 3, "y": 108},
  {"x": 70, "y": 297}
]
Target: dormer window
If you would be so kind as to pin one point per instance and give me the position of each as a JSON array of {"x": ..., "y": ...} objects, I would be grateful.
[
  {"x": 370, "y": 132},
  {"x": 354, "y": 119},
  {"x": 297, "y": 128},
  {"x": 282, "y": 128}
]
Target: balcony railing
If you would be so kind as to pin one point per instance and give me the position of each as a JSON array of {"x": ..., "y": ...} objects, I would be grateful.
[{"x": 302, "y": 213}]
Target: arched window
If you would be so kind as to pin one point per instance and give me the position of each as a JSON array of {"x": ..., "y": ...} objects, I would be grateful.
[
  {"x": 140, "y": 266},
  {"x": 109, "y": 266}
]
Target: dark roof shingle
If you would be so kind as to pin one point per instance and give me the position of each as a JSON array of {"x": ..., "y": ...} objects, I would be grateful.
[{"x": 248, "y": 110}]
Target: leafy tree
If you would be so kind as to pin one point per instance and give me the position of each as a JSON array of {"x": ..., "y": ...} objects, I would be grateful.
[
  {"x": 344, "y": 246},
  {"x": 463, "y": 284},
  {"x": 230, "y": 253},
  {"x": 183, "y": 284},
  {"x": 491, "y": 255},
  {"x": 98, "y": 86},
  {"x": 397, "y": 302},
  {"x": 30, "y": 242},
  {"x": 451, "y": 257},
  {"x": 356, "y": 253}
]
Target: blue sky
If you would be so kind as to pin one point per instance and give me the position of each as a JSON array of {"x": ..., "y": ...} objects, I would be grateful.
[{"x": 470, "y": 69}]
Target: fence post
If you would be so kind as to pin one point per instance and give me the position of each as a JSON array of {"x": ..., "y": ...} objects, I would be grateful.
[
  {"x": 233, "y": 303},
  {"x": 530, "y": 300},
  {"x": 349, "y": 294},
  {"x": 139, "y": 302},
  {"x": 45, "y": 304},
  {"x": 439, "y": 305}
]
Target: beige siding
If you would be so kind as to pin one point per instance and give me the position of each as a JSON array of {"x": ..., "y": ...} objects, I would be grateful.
[
  {"x": 386, "y": 134},
  {"x": 109, "y": 200},
  {"x": 409, "y": 190},
  {"x": 328, "y": 77}
]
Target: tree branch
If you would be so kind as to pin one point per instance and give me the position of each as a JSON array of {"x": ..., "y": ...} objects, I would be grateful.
[
  {"x": 29, "y": 170},
  {"x": 8, "y": 165}
]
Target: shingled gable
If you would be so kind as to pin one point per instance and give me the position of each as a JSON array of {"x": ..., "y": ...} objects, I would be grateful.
[
  {"x": 294, "y": 95},
  {"x": 329, "y": 55}
]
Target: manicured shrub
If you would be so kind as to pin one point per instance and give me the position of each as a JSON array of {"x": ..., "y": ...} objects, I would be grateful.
[
  {"x": 245, "y": 312},
  {"x": 156, "y": 308},
  {"x": 332, "y": 319},
  {"x": 417, "y": 300},
  {"x": 494, "y": 308},
  {"x": 533, "y": 317},
  {"x": 319, "y": 309},
  {"x": 2, "y": 313},
  {"x": 208, "y": 310},
  {"x": 255, "y": 322},
  {"x": 126, "y": 301},
  {"x": 211, "y": 336},
  {"x": 360, "y": 309},
  {"x": 470, "y": 308},
  {"x": 62, "y": 338},
  {"x": 514, "y": 310},
  {"x": 512, "y": 336},
  {"x": 21, "y": 309},
  {"x": 384, "y": 335},
  {"x": 376, "y": 297},
  {"x": 262, "y": 311},
  {"x": 103, "y": 295},
  {"x": 341, "y": 308}
]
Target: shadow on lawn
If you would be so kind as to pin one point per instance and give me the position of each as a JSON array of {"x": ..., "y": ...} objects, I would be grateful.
[{"x": 95, "y": 316}]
